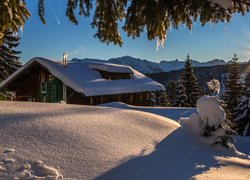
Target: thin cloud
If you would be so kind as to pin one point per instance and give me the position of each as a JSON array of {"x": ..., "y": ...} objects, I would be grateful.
[{"x": 77, "y": 51}]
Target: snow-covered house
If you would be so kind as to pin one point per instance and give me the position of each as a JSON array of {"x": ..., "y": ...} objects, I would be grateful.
[{"x": 44, "y": 80}]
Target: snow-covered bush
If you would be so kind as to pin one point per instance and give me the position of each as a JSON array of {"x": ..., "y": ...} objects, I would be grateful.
[{"x": 210, "y": 121}]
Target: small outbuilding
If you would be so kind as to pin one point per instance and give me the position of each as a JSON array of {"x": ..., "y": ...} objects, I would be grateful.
[{"x": 90, "y": 83}]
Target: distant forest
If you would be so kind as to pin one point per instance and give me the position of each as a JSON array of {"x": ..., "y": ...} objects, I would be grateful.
[{"x": 203, "y": 74}]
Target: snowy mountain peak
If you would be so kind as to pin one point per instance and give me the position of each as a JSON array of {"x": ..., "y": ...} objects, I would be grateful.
[{"x": 146, "y": 66}]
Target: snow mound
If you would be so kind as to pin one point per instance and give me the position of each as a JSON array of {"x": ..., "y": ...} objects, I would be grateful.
[
  {"x": 174, "y": 113},
  {"x": 210, "y": 122},
  {"x": 82, "y": 142},
  {"x": 209, "y": 113},
  {"x": 86, "y": 142},
  {"x": 116, "y": 105}
]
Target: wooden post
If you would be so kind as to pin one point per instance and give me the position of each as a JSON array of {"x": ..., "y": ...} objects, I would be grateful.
[
  {"x": 91, "y": 100},
  {"x": 141, "y": 97},
  {"x": 131, "y": 98}
]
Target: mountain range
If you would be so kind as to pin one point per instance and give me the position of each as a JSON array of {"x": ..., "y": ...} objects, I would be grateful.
[{"x": 146, "y": 67}]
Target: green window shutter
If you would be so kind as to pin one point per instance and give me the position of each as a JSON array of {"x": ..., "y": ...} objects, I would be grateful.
[{"x": 44, "y": 87}]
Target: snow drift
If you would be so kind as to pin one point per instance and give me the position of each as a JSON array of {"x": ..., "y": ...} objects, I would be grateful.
[{"x": 85, "y": 142}]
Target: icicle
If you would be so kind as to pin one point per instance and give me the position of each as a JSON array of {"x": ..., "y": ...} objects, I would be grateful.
[
  {"x": 171, "y": 27},
  {"x": 211, "y": 23},
  {"x": 226, "y": 27},
  {"x": 15, "y": 34},
  {"x": 160, "y": 42},
  {"x": 191, "y": 29},
  {"x": 21, "y": 29}
]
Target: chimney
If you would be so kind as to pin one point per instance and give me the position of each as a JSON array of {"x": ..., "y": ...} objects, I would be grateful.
[{"x": 65, "y": 56}]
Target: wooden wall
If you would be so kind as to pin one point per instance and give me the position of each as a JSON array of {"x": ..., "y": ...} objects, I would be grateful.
[{"x": 141, "y": 99}]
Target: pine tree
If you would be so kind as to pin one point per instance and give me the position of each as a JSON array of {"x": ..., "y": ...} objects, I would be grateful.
[
  {"x": 180, "y": 96},
  {"x": 171, "y": 93},
  {"x": 154, "y": 17},
  {"x": 159, "y": 98},
  {"x": 9, "y": 58},
  {"x": 233, "y": 89},
  {"x": 162, "y": 98},
  {"x": 190, "y": 83},
  {"x": 242, "y": 119}
]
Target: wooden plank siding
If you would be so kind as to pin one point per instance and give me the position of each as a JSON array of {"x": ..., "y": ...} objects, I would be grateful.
[{"x": 128, "y": 98}]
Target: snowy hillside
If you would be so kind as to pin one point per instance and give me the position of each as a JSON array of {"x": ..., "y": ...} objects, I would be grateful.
[
  {"x": 84, "y": 142},
  {"x": 146, "y": 66}
]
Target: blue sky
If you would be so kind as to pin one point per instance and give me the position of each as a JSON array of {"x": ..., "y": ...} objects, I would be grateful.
[{"x": 203, "y": 43}]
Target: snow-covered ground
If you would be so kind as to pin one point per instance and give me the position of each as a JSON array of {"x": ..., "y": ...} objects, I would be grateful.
[
  {"x": 174, "y": 113},
  {"x": 86, "y": 142}
]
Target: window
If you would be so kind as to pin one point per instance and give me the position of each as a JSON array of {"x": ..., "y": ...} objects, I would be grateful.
[{"x": 43, "y": 87}]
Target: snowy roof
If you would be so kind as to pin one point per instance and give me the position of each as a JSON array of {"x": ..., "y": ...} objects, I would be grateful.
[
  {"x": 112, "y": 68},
  {"x": 81, "y": 77}
]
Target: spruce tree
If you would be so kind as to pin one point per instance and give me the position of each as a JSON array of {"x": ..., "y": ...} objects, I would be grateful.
[
  {"x": 242, "y": 119},
  {"x": 247, "y": 79},
  {"x": 233, "y": 89},
  {"x": 171, "y": 92},
  {"x": 190, "y": 83},
  {"x": 9, "y": 57},
  {"x": 159, "y": 98},
  {"x": 180, "y": 96}
]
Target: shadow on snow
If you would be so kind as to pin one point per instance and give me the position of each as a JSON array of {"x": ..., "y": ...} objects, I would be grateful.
[{"x": 178, "y": 156}]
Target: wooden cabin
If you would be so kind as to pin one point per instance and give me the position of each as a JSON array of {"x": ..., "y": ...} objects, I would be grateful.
[{"x": 43, "y": 80}]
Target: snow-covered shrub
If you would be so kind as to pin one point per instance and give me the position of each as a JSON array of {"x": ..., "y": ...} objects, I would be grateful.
[{"x": 210, "y": 121}]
